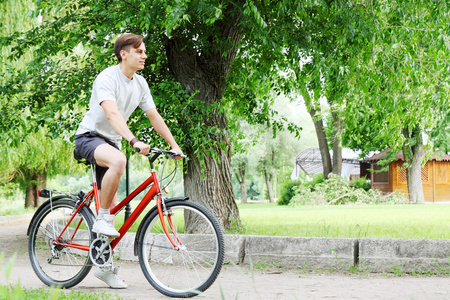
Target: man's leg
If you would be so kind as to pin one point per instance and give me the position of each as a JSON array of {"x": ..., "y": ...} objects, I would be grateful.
[
  {"x": 113, "y": 204},
  {"x": 109, "y": 157}
]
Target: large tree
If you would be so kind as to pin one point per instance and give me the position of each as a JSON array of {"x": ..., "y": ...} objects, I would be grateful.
[
  {"x": 202, "y": 69},
  {"x": 191, "y": 45},
  {"x": 381, "y": 66},
  {"x": 264, "y": 154},
  {"x": 314, "y": 42},
  {"x": 29, "y": 154},
  {"x": 29, "y": 162},
  {"x": 400, "y": 89}
]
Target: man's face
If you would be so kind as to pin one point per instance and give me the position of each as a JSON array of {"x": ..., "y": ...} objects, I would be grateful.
[{"x": 135, "y": 58}]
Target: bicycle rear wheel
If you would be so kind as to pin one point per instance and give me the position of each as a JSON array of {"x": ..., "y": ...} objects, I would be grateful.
[
  {"x": 195, "y": 266},
  {"x": 58, "y": 265}
]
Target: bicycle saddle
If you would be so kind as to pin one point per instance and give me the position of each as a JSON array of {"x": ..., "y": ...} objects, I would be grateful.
[{"x": 79, "y": 158}]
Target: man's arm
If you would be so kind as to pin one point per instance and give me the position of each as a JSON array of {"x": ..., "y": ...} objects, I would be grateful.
[
  {"x": 161, "y": 128},
  {"x": 118, "y": 123}
]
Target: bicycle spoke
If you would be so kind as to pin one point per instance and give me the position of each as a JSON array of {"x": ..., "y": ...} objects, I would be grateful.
[
  {"x": 55, "y": 262},
  {"x": 159, "y": 246},
  {"x": 195, "y": 265}
]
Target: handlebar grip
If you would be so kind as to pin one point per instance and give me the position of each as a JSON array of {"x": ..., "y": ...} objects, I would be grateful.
[{"x": 137, "y": 150}]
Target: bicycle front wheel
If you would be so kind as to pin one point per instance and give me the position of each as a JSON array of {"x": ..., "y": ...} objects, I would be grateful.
[
  {"x": 195, "y": 265},
  {"x": 55, "y": 263}
]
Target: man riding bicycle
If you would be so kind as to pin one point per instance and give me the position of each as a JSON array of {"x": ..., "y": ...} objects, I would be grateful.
[{"x": 116, "y": 93}]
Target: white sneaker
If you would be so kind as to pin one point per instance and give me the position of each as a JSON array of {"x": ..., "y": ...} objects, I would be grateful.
[
  {"x": 105, "y": 226},
  {"x": 110, "y": 277}
]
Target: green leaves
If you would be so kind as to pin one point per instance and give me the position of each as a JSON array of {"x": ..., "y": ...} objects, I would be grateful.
[
  {"x": 251, "y": 10},
  {"x": 383, "y": 64}
]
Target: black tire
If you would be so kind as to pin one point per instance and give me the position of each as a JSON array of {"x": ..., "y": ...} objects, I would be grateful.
[
  {"x": 192, "y": 269},
  {"x": 66, "y": 266}
]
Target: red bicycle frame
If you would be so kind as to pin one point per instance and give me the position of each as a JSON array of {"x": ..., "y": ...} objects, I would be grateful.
[{"x": 155, "y": 190}]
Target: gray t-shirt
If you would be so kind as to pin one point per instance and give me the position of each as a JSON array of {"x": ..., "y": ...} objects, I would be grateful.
[{"x": 112, "y": 84}]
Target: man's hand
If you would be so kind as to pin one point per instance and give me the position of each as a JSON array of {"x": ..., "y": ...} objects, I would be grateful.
[
  {"x": 178, "y": 151},
  {"x": 145, "y": 149}
]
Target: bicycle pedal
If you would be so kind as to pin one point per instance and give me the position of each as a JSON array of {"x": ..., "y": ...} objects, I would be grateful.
[{"x": 106, "y": 237}]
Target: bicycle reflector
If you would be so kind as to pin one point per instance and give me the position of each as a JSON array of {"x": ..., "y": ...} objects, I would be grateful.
[
  {"x": 44, "y": 193},
  {"x": 166, "y": 189}
]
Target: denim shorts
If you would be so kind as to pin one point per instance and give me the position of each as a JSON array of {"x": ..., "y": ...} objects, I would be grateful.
[{"x": 85, "y": 145}]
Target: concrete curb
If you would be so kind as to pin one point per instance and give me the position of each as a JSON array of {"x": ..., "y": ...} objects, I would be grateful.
[
  {"x": 293, "y": 252},
  {"x": 405, "y": 255},
  {"x": 370, "y": 255}
]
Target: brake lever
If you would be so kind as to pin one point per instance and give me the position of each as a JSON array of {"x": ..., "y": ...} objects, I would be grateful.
[{"x": 174, "y": 154}]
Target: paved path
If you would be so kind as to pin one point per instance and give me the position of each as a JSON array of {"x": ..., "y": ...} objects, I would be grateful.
[{"x": 239, "y": 282}]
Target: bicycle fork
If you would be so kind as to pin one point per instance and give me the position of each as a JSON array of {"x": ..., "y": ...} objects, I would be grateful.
[{"x": 163, "y": 211}]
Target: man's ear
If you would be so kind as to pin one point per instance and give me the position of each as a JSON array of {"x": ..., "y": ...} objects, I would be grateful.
[{"x": 123, "y": 54}]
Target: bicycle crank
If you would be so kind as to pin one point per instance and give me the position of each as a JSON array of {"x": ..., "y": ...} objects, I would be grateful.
[{"x": 100, "y": 251}]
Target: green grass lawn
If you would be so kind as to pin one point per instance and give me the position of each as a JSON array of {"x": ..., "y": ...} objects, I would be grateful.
[
  {"x": 424, "y": 221},
  {"x": 10, "y": 208},
  {"x": 427, "y": 221}
]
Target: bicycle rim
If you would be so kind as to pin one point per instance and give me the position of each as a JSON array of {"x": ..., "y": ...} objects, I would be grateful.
[
  {"x": 194, "y": 267},
  {"x": 58, "y": 265}
]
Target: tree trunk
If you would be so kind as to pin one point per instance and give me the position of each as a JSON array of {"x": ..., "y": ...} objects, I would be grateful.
[
  {"x": 320, "y": 131},
  {"x": 36, "y": 182},
  {"x": 210, "y": 185},
  {"x": 337, "y": 150},
  {"x": 208, "y": 180},
  {"x": 414, "y": 179},
  {"x": 41, "y": 184},
  {"x": 323, "y": 143},
  {"x": 240, "y": 176},
  {"x": 243, "y": 186},
  {"x": 30, "y": 196},
  {"x": 413, "y": 154},
  {"x": 269, "y": 183}
]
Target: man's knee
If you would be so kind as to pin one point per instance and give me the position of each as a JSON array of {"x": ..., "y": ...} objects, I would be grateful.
[
  {"x": 117, "y": 163},
  {"x": 110, "y": 157},
  {"x": 120, "y": 162}
]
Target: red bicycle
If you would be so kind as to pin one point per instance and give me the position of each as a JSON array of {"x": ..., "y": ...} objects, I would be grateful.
[{"x": 179, "y": 243}]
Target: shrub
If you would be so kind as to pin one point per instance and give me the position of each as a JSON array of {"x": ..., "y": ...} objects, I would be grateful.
[
  {"x": 337, "y": 190},
  {"x": 287, "y": 191},
  {"x": 360, "y": 183},
  {"x": 317, "y": 179}
]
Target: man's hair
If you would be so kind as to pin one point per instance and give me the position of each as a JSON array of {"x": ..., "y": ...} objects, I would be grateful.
[{"x": 125, "y": 42}]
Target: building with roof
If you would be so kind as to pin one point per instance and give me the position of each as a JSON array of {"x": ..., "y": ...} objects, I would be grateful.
[
  {"x": 435, "y": 176},
  {"x": 309, "y": 161}
]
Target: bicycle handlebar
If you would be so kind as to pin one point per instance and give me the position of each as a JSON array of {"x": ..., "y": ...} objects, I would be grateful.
[{"x": 158, "y": 152}]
